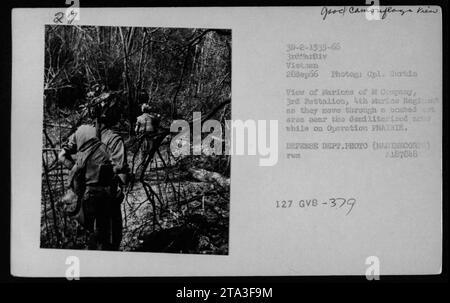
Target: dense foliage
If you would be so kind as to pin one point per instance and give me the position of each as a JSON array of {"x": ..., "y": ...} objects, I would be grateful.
[{"x": 177, "y": 72}]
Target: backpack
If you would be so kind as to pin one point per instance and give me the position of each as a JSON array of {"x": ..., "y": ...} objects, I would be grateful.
[{"x": 73, "y": 200}]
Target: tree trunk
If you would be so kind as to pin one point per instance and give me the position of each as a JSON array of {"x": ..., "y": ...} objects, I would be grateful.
[{"x": 126, "y": 44}]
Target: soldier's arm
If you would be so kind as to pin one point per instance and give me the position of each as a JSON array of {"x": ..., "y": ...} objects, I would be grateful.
[
  {"x": 136, "y": 128},
  {"x": 119, "y": 159},
  {"x": 68, "y": 149}
]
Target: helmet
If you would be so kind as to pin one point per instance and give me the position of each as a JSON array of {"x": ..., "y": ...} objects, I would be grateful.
[
  {"x": 145, "y": 108},
  {"x": 106, "y": 108}
]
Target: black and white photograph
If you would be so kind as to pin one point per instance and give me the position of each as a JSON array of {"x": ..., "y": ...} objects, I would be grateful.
[
  {"x": 227, "y": 141},
  {"x": 113, "y": 176}
]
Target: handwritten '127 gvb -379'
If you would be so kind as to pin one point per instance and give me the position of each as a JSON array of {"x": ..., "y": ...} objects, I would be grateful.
[{"x": 337, "y": 203}]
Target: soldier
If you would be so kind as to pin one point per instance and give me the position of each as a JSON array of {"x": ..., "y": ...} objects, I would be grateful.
[
  {"x": 90, "y": 178},
  {"x": 109, "y": 211},
  {"x": 146, "y": 124}
]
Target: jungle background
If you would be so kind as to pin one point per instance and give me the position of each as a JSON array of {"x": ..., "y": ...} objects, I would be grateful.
[{"x": 174, "y": 203}]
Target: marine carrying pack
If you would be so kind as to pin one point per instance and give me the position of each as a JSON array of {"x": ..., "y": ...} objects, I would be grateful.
[{"x": 73, "y": 200}]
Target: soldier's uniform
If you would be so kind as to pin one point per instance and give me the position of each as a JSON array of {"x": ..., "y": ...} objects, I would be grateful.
[
  {"x": 108, "y": 213},
  {"x": 145, "y": 125}
]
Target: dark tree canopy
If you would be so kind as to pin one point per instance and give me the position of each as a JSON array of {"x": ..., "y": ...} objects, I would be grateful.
[{"x": 178, "y": 71}]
